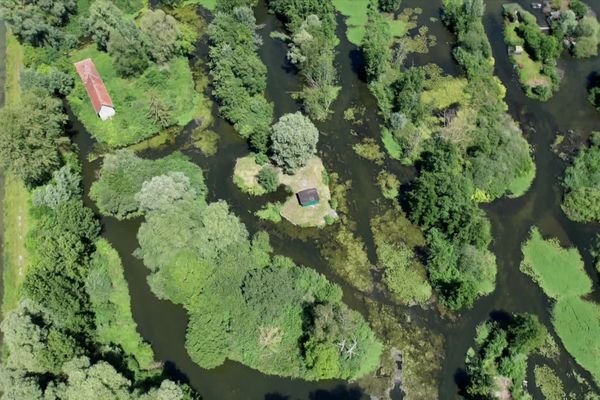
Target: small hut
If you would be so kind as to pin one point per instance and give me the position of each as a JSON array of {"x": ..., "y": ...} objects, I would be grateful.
[
  {"x": 308, "y": 197},
  {"x": 95, "y": 88}
]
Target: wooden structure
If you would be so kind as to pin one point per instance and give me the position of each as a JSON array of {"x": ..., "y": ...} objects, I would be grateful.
[
  {"x": 308, "y": 197},
  {"x": 95, "y": 88}
]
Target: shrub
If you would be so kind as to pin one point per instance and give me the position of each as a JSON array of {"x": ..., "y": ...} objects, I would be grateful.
[{"x": 268, "y": 177}]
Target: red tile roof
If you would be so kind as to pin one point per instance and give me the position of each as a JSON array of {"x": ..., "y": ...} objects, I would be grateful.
[{"x": 93, "y": 84}]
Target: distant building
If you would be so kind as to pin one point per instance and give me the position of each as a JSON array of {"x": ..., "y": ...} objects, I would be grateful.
[
  {"x": 95, "y": 88},
  {"x": 308, "y": 197}
]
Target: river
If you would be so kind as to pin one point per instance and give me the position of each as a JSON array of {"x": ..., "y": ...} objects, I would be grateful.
[{"x": 163, "y": 324}]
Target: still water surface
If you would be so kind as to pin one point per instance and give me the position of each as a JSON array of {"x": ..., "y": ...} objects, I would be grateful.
[{"x": 163, "y": 324}]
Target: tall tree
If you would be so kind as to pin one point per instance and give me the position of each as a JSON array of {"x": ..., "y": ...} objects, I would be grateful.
[
  {"x": 37, "y": 21},
  {"x": 31, "y": 134},
  {"x": 294, "y": 140}
]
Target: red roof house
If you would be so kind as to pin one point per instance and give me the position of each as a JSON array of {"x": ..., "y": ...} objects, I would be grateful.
[{"x": 95, "y": 88}]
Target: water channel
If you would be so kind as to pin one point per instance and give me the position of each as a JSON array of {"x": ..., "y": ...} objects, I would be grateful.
[{"x": 163, "y": 324}]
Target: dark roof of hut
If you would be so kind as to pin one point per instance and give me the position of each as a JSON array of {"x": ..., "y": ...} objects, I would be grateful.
[{"x": 308, "y": 196}]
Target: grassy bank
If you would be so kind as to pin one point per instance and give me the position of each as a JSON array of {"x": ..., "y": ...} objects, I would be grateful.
[
  {"x": 561, "y": 275},
  {"x": 16, "y": 195},
  {"x": 114, "y": 321}
]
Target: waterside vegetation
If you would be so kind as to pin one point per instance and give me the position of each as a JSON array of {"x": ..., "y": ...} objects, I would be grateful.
[
  {"x": 244, "y": 303},
  {"x": 561, "y": 274}
]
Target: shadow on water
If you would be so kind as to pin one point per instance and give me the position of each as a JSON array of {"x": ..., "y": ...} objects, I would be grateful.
[{"x": 163, "y": 324}]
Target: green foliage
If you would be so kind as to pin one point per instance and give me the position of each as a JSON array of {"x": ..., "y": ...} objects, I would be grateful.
[
  {"x": 582, "y": 186},
  {"x": 587, "y": 36},
  {"x": 38, "y": 22},
  {"x": 347, "y": 256},
  {"x": 389, "y": 185},
  {"x": 550, "y": 385},
  {"x": 247, "y": 305},
  {"x": 594, "y": 96},
  {"x": 162, "y": 36},
  {"x": 60, "y": 243},
  {"x": 312, "y": 49},
  {"x": 577, "y": 323},
  {"x": 110, "y": 301},
  {"x": 172, "y": 86},
  {"x": 54, "y": 81},
  {"x": 239, "y": 76},
  {"x": 561, "y": 274},
  {"x": 389, "y": 5},
  {"x": 31, "y": 134},
  {"x": 123, "y": 175},
  {"x": 294, "y": 141},
  {"x": 369, "y": 149},
  {"x": 441, "y": 198},
  {"x": 499, "y": 362},
  {"x": 65, "y": 186},
  {"x": 397, "y": 242},
  {"x": 536, "y": 65},
  {"x": 35, "y": 342},
  {"x": 103, "y": 18},
  {"x": 270, "y": 212},
  {"x": 268, "y": 177},
  {"x": 127, "y": 51}
]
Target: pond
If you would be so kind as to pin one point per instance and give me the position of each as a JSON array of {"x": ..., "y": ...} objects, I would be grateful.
[{"x": 163, "y": 324}]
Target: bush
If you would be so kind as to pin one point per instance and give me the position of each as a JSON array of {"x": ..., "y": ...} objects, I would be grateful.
[{"x": 268, "y": 177}]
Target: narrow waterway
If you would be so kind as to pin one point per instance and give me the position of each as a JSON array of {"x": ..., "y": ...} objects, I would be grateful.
[{"x": 163, "y": 324}]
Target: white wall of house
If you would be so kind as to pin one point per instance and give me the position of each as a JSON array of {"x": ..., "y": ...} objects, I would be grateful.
[{"x": 106, "y": 113}]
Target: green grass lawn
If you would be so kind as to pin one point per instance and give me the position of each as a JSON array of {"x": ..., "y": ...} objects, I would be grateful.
[
  {"x": 577, "y": 322},
  {"x": 173, "y": 86},
  {"x": 208, "y": 4},
  {"x": 530, "y": 71},
  {"x": 16, "y": 224},
  {"x": 559, "y": 272},
  {"x": 114, "y": 321},
  {"x": 16, "y": 195},
  {"x": 355, "y": 12}
]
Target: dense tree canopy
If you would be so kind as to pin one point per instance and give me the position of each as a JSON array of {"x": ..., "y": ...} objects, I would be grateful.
[
  {"x": 294, "y": 141},
  {"x": 313, "y": 40},
  {"x": 243, "y": 303},
  {"x": 123, "y": 175},
  {"x": 163, "y": 36},
  {"x": 246, "y": 305},
  {"x": 38, "y": 22},
  {"x": 499, "y": 363},
  {"x": 582, "y": 184},
  {"x": 31, "y": 134},
  {"x": 239, "y": 76},
  {"x": 460, "y": 266}
]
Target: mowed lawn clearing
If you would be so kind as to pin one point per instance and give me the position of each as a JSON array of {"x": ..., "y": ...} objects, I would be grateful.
[{"x": 16, "y": 195}]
